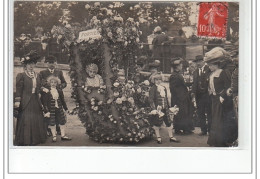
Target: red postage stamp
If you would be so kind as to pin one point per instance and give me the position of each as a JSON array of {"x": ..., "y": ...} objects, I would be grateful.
[{"x": 212, "y": 20}]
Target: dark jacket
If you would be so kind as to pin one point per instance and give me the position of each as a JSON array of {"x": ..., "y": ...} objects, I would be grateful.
[
  {"x": 222, "y": 83},
  {"x": 179, "y": 91},
  {"x": 200, "y": 82},
  {"x": 47, "y": 101},
  {"x": 154, "y": 97},
  {"x": 58, "y": 73},
  {"x": 24, "y": 89},
  {"x": 234, "y": 82}
]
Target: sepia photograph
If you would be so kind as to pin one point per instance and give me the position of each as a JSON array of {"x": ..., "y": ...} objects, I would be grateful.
[{"x": 125, "y": 74}]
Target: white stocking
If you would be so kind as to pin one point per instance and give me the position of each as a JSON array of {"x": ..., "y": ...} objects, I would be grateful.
[
  {"x": 157, "y": 131},
  {"x": 53, "y": 130},
  {"x": 169, "y": 129},
  {"x": 62, "y": 130}
]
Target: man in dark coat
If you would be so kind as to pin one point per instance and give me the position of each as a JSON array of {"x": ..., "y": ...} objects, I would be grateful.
[
  {"x": 179, "y": 48},
  {"x": 200, "y": 94},
  {"x": 51, "y": 71},
  {"x": 181, "y": 98}
]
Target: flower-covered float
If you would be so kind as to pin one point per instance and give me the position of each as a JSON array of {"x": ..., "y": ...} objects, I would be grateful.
[{"x": 117, "y": 110}]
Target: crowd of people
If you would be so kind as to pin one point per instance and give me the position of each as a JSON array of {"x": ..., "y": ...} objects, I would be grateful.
[{"x": 212, "y": 95}]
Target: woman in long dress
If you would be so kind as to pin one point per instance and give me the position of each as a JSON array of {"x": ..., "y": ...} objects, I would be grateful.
[
  {"x": 223, "y": 130},
  {"x": 181, "y": 98},
  {"x": 30, "y": 125}
]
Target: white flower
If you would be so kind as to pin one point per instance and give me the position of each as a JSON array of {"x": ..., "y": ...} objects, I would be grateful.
[
  {"x": 136, "y": 6},
  {"x": 118, "y": 18},
  {"x": 123, "y": 98},
  {"x": 95, "y": 108},
  {"x": 119, "y": 101},
  {"x": 139, "y": 90},
  {"x": 27, "y": 58},
  {"x": 137, "y": 23},
  {"x": 116, "y": 84},
  {"x": 131, "y": 8},
  {"x": 92, "y": 103},
  {"x": 130, "y": 19},
  {"x": 109, "y": 34},
  {"x": 140, "y": 32},
  {"x": 22, "y": 60},
  {"x": 131, "y": 100},
  {"x": 110, "y": 116},
  {"x": 134, "y": 29},
  {"x": 96, "y": 4},
  {"x": 125, "y": 43},
  {"x": 87, "y": 6},
  {"x": 119, "y": 30},
  {"x": 109, "y": 101},
  {"x": 116, "y": 94},
  {"x": 92, "y": 99},
  {"x": 111, "y": 6},
  {"x": 100, "y": 102},
  {"x": 60, "y": 36},
  {"x": 146, "y": 82},
  {"x": 137, "y": 40},
  {"x": 109, "y": 12}
]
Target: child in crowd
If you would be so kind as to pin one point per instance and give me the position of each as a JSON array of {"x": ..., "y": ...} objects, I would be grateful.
[
  {"x": 160, "y": 109},
  {"x": 93, "y": 79},
  {"x": 54, "y": 106}
]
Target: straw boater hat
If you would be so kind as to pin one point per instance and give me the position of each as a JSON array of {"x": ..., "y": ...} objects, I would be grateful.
[
  {"x": 50, "y": 78},
  {"x": 216, "y": 56},
  {"x": 31, "y": 57}
]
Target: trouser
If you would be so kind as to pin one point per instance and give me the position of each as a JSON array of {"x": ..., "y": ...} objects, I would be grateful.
[
  {"x": 168, "y": 124},
  {"x": 53, "y": 130},
  {"x": 203, "y": 108}
]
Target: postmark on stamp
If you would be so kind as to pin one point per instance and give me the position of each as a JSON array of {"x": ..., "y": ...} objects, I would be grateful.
[{"x": 212, "y": 21}]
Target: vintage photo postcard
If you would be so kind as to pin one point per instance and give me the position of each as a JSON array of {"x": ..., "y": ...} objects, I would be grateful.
[{"x": 128, "y": 74}]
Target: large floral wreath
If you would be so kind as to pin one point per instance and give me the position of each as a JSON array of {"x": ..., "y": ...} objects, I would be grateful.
[{"x": 117, "y": 111}]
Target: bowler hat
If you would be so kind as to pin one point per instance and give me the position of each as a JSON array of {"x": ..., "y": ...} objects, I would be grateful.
[
  {"x": 198, "y": 58},
  {"x": 51, "y": 59},
  {"x": 176, "y": 61}
]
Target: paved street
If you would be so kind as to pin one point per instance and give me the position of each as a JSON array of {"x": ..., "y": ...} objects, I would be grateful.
[{"x": 76, "y": 130}]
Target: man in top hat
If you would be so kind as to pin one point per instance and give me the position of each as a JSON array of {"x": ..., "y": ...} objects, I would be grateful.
[
  {"x": 200, "y": 94},
  {"x": 51, "y": 71}
]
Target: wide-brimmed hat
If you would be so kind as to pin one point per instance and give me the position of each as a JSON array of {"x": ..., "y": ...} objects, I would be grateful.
[
  {"x": 216, "y": 55},
  {"x": 157, "y": 29},
  {"x": 31, "y": 57},
  {"x": 51, "y": 59}
]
